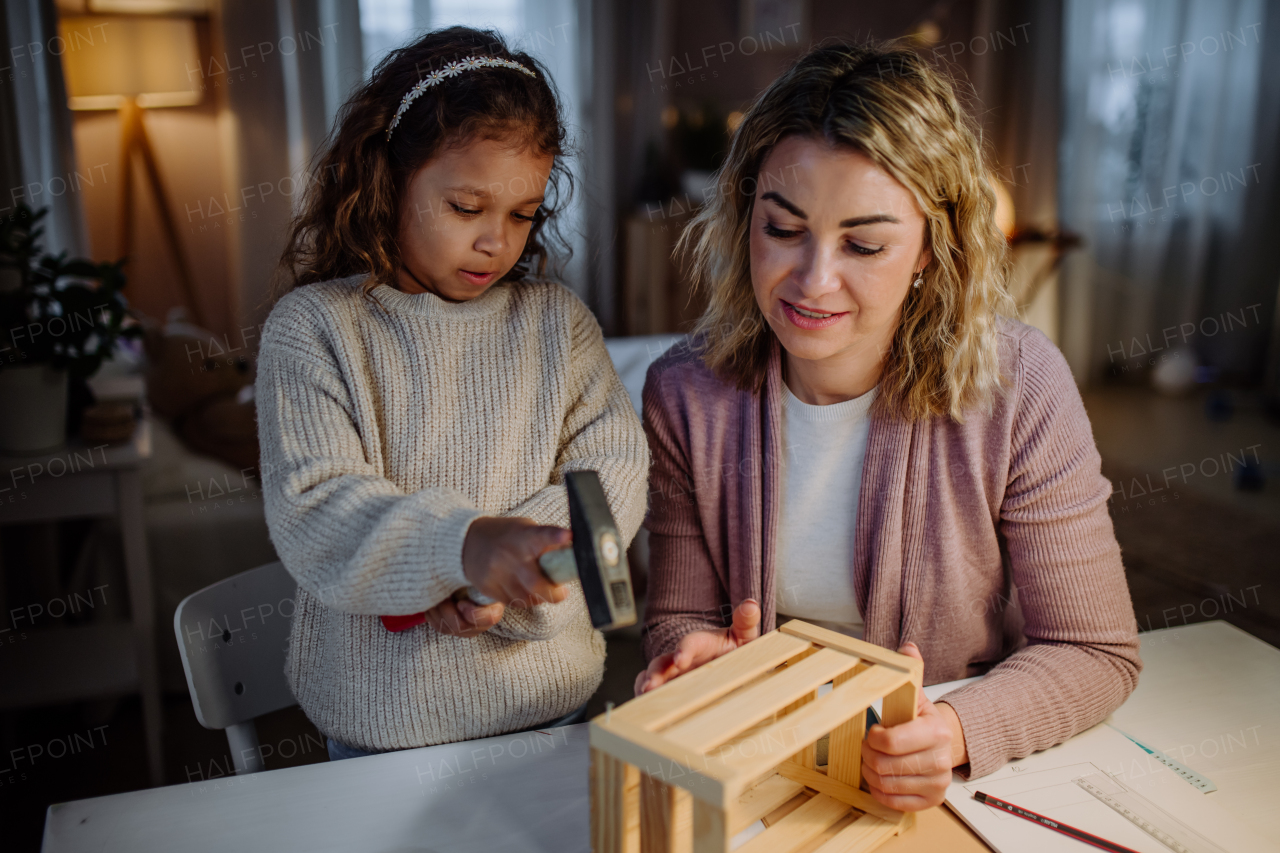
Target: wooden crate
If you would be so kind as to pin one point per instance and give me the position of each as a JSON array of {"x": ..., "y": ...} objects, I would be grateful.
[{"x": 685, "y": 767}]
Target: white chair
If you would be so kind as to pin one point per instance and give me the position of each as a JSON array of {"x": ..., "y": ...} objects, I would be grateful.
[{"x": 233, "y": 637}]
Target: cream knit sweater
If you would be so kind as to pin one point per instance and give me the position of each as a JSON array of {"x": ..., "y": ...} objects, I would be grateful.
[{"x": 385, "y": 432}]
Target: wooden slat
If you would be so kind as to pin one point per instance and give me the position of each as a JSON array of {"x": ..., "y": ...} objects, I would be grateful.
[
  {"x": 695, "y": 690},
  {"x": 832, "y": 831},
  {"x": 708, "y": 778},
  {"x": 859, "y": 799},
  {"x": 900, "y": 705},
  {"x": 666, "y": 815},
  {"x": 761, "y": 800},
  {"x": 731, "y": 747},
  {"x": 788, "y": 807},
  {"x": 714, "y": 725},
  {"x": 710, "y": 829},
  {"x": 615, "y": 813},
  {"x": 798, "y": 828},
  {"x": 814, "y": 720},
  {"x": 795, "y": 659},
  {"x": 844, "y": 753},
  {"x": 808, "y": 756},
  {"x": 866, "y": 833},
  {"x": 858, "y": 648}
]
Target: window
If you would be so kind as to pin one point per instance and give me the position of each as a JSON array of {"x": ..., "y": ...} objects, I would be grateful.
[{"x": 387, "y": 24}]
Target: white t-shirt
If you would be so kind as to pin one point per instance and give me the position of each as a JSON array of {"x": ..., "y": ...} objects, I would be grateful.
[{"x": 821, "y": 467}]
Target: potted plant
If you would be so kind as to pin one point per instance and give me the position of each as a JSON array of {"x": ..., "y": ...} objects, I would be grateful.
[{"x": 61, "y": 318}]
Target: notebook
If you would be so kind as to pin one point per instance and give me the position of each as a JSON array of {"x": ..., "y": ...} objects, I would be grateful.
[{"x": 1105, "y": 784}]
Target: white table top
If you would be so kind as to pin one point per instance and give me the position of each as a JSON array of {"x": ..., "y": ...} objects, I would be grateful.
[
  {"x": 1209, "y": 697},
  {"x": 1202, "y": 683},
  {"x": 525, "y": 792}
]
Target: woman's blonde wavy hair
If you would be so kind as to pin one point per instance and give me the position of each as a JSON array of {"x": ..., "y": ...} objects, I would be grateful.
[{"x": 888, "y": 103}]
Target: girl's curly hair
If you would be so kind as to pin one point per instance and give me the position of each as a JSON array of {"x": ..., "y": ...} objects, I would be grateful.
[{"x": 350, "y": 212}]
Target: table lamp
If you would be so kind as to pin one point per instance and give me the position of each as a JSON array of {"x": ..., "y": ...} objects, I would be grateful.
[{"x": 132, "y": 63}]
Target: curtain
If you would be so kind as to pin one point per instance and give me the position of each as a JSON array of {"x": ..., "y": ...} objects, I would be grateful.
[
  {"x": 37, "y": 154},
  {"x": 307, "y": 56},
  {"x": 1167, "y": 170},
  {"x": 1017, "y": 88},
  {"x": 550, "y": 33},
  {"x": 597, "y": 29}
]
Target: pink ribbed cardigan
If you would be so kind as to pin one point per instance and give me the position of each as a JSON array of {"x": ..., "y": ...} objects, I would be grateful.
[{"x": 986, "y": 543}]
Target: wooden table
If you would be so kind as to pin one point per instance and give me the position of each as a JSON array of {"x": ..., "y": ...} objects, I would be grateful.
[
  {"x": 528, "y": 792},
  {"x": 65, "y": 664}
]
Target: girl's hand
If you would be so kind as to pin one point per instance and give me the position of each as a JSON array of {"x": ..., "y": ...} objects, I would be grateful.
[
  {"x": 699, "y": 647},
  {"x": 908, "y": 766},
  {"x": 464, "y": 618},
  {"x": 500, "y": 558}
]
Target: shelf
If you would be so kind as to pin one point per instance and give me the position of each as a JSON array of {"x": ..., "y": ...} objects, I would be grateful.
[{"x": 55, "y": 667}]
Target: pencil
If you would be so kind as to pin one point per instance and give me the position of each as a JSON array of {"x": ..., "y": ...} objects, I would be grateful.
[{"x": 1049, "y": 823}]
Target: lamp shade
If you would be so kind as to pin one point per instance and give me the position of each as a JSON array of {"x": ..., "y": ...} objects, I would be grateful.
[
  {"x": 107, "y": 59},
  {"x": 150, "y": 7}
]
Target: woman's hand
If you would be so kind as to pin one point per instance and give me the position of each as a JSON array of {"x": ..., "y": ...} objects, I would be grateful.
[
  {"x": 464, "y": 618},
  {"x": 908, "y": 766},
  {"x": 699, "y": 647},
  {"x": 500, "y": 558}
]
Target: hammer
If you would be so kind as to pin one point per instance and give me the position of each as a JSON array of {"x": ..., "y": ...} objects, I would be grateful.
[{"x": 597, "y": 559}]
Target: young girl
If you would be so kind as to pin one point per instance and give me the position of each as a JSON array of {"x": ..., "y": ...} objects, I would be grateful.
[{"x": 421, "y": 393}]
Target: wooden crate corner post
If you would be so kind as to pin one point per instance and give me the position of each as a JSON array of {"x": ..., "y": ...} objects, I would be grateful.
[
  {"x": 686, "y": 767},
  {"x": 615, "y": 805}
]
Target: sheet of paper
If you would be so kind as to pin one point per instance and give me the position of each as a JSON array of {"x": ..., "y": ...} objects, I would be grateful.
[{"x": 1111, "y": 765}]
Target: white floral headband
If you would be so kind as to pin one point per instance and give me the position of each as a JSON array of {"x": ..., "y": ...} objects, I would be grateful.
[{"x": 453, "y": 69}]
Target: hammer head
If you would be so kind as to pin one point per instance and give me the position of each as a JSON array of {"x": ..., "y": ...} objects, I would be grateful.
[{"x": 600, "y": 554}]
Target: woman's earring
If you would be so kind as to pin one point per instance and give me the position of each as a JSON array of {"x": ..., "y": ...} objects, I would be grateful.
[{"x": 919, "y": 280}]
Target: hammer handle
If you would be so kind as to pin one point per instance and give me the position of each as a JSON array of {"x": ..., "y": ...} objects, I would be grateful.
[{"x": 559, "y": 566}]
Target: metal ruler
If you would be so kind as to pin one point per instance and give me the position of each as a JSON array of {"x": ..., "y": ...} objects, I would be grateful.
[
  {"x": 1193, "y": 778},
  {"x": 1146, "y": 815}
]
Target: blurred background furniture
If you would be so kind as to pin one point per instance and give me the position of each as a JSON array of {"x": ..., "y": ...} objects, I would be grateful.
[{"x": 105, "y": 658}]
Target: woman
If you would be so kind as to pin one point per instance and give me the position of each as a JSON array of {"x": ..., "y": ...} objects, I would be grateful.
[{"x": 860, "y": 436}]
